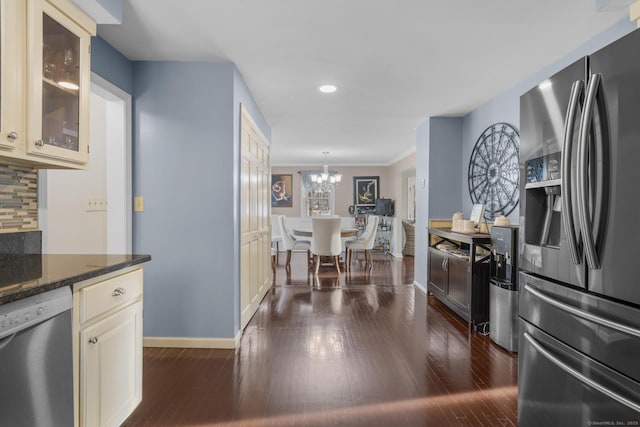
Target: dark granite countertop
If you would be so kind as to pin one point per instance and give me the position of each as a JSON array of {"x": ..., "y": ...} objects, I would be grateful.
[{"x": 24, "y": 275}]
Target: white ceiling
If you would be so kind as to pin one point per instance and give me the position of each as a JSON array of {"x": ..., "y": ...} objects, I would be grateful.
[{"x": 395, "y": 62}]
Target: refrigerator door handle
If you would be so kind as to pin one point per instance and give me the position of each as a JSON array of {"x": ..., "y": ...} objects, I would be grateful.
[
  {"x": 584, "y": 196},
  {"x": 582, "y": 314},
  {"x": 573, "y": 240},
  {"x": 579, "y": 376}
]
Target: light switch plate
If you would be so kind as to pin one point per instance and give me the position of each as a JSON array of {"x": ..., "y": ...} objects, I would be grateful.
[
  {"x": 138, "y": 204},
  {"x": 96, "y": 204}
]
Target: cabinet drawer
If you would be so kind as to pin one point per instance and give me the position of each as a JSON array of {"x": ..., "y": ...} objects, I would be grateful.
[{"x": 104, "y": 296}]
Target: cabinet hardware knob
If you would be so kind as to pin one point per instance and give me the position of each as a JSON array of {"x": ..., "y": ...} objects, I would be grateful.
[
  {"x": 39, "y": 143},
  {"x": 119, "y": 291},
  {"x": 12, "y": 136},
  {"x": 93, "y": 340}
]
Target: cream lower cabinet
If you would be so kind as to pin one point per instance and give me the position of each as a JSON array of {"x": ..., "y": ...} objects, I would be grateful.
[{"x": 108, "y": 344}]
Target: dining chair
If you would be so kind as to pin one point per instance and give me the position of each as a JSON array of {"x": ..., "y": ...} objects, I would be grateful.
[
  {"x": 276, "y": 234},
  {"x": 274, "y": 254},
  {"x": 326, "y": 240},
  {"x": 290, "y": 243},
  {"x": 409, "y": 228},
  {"x": 364, "y": 242}
]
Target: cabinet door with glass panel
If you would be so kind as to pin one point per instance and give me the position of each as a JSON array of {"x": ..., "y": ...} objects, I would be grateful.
[
  {"x": 11, "y": 99},
  {"x": 58, "y": 90}
]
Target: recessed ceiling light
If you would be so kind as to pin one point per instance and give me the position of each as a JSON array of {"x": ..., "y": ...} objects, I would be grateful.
[{"x": 327, "y": 88}]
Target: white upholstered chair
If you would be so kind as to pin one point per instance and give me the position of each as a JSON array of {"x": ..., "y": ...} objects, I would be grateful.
[
  {"x": 274, "y": 254},
  {"x": 290, "y": 243},
  {"x": 276, "y": 234},
  {"x": 364, "y": 242},
  {"x": 326, "y": 240}
]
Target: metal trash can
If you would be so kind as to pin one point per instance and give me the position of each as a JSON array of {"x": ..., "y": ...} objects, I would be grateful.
[{"x": 503, "y": 314}]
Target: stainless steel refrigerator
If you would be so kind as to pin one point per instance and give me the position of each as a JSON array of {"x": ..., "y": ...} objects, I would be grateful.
[{"x": 579, "y": 254}]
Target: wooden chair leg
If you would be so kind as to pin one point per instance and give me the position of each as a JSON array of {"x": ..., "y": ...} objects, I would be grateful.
[
  {"x": 273, "y": 263},
  {"x": 346, "y": 260},
  {"x": 336, "y": 260},
  {"x": 287, "y": 264},
  {"x": 367, "y": 257}
]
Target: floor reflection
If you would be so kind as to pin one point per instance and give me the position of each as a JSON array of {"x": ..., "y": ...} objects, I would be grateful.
[
  {"x": 386, "y": 270},
  {"x": 371, "y": 413},
  {"x": 371, "y": 350}
]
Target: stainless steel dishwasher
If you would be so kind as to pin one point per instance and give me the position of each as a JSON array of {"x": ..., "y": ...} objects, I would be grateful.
[{"x": 36, "y": 378}]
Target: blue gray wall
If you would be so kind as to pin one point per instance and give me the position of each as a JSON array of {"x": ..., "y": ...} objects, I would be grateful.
[
  {"x": 445, "y": 135},
  {"x": 186, "y": 143},
  {"x": 183, "y": 146},
  {"x": 111, "y": 65},
  {"x": 438, "y": 176},
  {"x": 187, "y": 148}
]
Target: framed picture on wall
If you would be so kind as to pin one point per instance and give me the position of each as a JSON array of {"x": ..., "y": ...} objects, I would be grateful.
[
  {"x": 365, "y": 191},
  {"x": 281, "y": 191}
]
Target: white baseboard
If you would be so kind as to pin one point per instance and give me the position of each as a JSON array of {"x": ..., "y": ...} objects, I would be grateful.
[
  {"x": 420, "y": 287},
  {"x": 177, "y": 342}
]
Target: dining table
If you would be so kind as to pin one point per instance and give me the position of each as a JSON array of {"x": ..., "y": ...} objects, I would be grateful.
[{"x": 344, "y": 232}]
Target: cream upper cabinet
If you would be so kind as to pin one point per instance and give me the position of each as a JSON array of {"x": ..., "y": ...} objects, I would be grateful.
[
  {"x": 11, "y": 97},
  {"x": 49, "y": 67},
  {"x": 58, "y": 87}
]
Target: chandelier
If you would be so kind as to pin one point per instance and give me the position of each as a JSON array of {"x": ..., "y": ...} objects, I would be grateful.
[{"x": 327, "y": 180}]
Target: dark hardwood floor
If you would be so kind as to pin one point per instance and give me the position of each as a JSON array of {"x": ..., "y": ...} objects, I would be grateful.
[{"x": 371, "y": 351}]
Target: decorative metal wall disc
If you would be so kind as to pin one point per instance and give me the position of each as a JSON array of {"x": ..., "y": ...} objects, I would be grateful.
[{"x": 494, "y": 174}]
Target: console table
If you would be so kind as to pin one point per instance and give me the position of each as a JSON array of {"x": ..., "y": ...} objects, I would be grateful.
[{"x": 458, "y": 272}]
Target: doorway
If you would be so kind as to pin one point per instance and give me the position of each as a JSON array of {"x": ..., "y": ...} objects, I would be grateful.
[{"x": 89, "y": 211}]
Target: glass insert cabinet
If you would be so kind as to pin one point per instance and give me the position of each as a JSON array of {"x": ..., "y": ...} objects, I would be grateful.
[
  {"x": 53, "y": 72},
  {"x": 58, "y": 100}
]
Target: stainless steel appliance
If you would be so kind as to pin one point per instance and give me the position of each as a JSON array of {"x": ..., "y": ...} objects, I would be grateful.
[
  {"x": 503, "y": 289},
  {"x": 36, "y": 379},
  {"x": 579, "y": 302}
]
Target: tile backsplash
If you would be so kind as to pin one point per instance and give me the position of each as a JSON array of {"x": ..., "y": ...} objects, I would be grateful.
[{"x": 18, "y": 198}]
